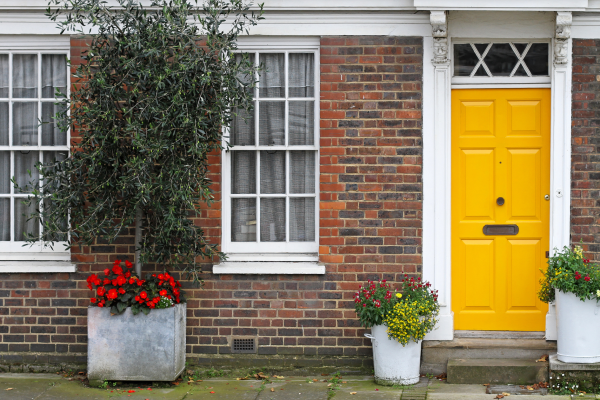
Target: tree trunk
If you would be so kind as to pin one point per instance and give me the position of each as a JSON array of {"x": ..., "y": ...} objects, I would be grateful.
[{"x": 139, "y": 216}]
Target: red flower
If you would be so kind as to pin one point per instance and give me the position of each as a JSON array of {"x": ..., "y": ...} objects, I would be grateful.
[
  {"x": 176, "y": 291},
  {"x": 161, "y": 277},
  {"x": 121, "y": 280},
  {"x": 127, "y": 274},
  {"x": 121, "y": 290},
  {"x": 93, "y": 299},
  {"x": 154, "y": 275},
  {"x": 117, "y": 262},
  {"x": 101, "y": 291},
  {"x": 128, "y": 264},
  {"x": 156, "y": 299},
  {"x": 112, "y": 294},
  {"x": 377, "y": 303},
  {"x": 107, "y": 272},
  {"x": 143, "y": 294},
  {"x": 117, "y": 269},
  {"x": 577, "y": 276},
  {"x": 106, "y": 281},
  {"x": 140, "y": 282},
  {"x": 163, "y": 292},
  {"x": 364, "y": 305},
  {"x": 137, "y": 298},
  {"x": 587, "y": 278},
  {"x": 100, "y": 304},
  {"x": 131, "y": 281}
]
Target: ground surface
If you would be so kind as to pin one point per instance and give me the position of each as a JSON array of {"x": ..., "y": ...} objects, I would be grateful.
[{"x": 59, "y": 387}]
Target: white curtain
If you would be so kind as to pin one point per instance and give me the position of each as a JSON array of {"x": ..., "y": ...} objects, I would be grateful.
[
  {"x": 301, "y": 77},
  {"x": 51, "y": 134},
  {"x": 24, "y": 75},
  {"x": 25, "y": 124},
  {"x": 4, "y": 75},
  {"x": 4, "y": 202},
  {"x": 54, "y": 74}
]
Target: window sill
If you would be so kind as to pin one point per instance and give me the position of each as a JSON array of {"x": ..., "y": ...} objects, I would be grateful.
[
  {"x": 274, "y": 267},
  {"x": 36, "y": 266}
]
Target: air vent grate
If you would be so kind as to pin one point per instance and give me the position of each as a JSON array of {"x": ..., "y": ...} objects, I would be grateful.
[{"x": 246, "y": 345}]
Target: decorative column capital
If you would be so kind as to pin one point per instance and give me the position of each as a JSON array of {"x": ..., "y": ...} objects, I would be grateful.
[
  {"x": 439, "y": 26},
  {"x": 561, "y": 38}
]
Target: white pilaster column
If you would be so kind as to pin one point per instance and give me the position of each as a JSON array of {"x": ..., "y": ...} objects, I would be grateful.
[
  {"x": 560, "y": 157},
  {"x": 436, "y": 170}
]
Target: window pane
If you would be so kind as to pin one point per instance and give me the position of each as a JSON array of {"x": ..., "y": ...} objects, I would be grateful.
[
  {"x": 243, "y": 175},
  {"x": 302, "y": 171},
  {"x": 52, "y": 135},
  {"x": 272, "y": 75},
  {"x": 243, "y": 221},
  {"x": 24, "y": 75},
  {"x": 464, "y": 59},
  {"x": 272, "y": 172},
  {"x": 272, "y": 220},
  {"x": 302, "y": 219},
  {"x": 481, "y": 47},
  {"x": 520, "y": 47},
  {"x": 481, "y": 71},
  {"x": 537, "y": 59},
  {"x": 4, "y": 172},
  {"x": 3, "y": 124},
  {"x": 51, "y": 157},
  {"x": 54, "y": 74},
  {"x": 242, "y": 129},
  {"x": 22, "y": 225},
  {"x": 302, "y": 123},
  {"x": 245, "y": 79},
  {"x": 25, "y": 124},
  {"x": 4, "y": 75},
  {"x": 520, "y": 71},
  {"x": 23, "y": 164},
  {"x": 301, "y": 76},
  {"x": 5, "y": 220},
  {"x": 501, "y": 59},
  {"x": 271, "y": 123}
]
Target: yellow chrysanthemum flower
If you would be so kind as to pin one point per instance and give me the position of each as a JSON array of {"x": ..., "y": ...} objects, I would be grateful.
[{"x": 399, "y": 295}]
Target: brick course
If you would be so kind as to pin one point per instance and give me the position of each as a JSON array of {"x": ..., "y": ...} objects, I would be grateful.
[
  {"x": 585, "y": 133},
  {"x": 370, "y": 228}
]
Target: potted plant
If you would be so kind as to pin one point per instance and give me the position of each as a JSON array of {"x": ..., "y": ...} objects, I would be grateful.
[
  {"x": 574, "y": 284},
  {"x": 399, "y": 321},
  {"x": 136, "y": 327}
]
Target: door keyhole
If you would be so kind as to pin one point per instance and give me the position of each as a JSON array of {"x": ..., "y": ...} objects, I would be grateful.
[{"x": 500, "y": 201}]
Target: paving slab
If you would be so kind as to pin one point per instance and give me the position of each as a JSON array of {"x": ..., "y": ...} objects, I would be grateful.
[
  {"x": 366, "y": 389},
  {"x": 294, "y": 390},
  {"x": 441, "y": 390},
  {"x": 26, "y": 386},
  {"x": 226, "y": 389}
]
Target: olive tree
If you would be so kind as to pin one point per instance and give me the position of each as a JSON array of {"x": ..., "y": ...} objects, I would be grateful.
[{"x": 156, "y": 89}]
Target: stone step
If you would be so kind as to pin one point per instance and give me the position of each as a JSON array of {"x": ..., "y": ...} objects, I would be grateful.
[
  {"x": 497, "y": 371},
  {"x": 436, "y": 353}
]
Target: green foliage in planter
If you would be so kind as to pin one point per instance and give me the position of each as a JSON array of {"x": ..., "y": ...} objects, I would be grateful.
[
  {"x": 569, "y": 272},
  {"x": 149, "y": 103}
]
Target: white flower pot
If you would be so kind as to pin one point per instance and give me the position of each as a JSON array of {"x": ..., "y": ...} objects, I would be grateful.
[
  {"x": 578, "y": 324},
  {"x": 394, "y": 364}
]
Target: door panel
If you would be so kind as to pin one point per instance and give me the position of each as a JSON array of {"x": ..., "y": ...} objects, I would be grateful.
[{"x": 500, "y": 148}]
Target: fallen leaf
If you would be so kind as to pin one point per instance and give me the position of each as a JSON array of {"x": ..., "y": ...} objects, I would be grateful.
[
  {"x": 486, "y": 384},
  {"x": 543, "y": 358},
  {"x": 280, "y": 377},
  {"x": 175, "y": 383},
  {"x": 499, "y": 397},
  {"x": 9, "y": 389},
  {"x": 329, "y": 384},
  {"x": 272, "y": 390},
  {"x": 212, "y": 392},
  {"x": 315, "y": 380},
  {"x": 131, "y": 391},
  {"x": 352, "y": 392},
  {"x": 324, "y": 374},
  {"x": 505, "y": 394},
  {"x": 344, "y": 382},
  {"x": 377, "y": 390},
  {"x": 529, "y": 388}
]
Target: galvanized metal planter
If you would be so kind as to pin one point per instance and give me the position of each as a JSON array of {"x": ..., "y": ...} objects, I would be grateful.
[{"x": 139, "y": 347}]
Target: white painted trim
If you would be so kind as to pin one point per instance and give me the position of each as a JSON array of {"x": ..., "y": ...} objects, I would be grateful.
[
  {"x": 36, "y": 267},
  {"x": 304, "y": 254},
  {"x": 586, "y": 26},
  {"x": 436, "y": 186},
  {"x": 437, "y": 179},
  {"x": 278, "y": 268},
  {"x": 502, "y": 5}
]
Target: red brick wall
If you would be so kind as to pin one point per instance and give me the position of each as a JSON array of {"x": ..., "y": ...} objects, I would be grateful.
[
  {"x": 371, "y": 206},
  {"x": 585, "y": 133}
]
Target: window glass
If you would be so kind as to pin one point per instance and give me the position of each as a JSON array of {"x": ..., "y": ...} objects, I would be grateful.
[
  {"x": 26, "y": 97},
  {"x": 501, "y": 59},
  {"x": 273, "y": 185}
]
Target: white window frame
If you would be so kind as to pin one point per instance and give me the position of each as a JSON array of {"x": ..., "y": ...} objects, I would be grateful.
[
  {"x": 487, "y": 80},
  {"x": 266, "y": 257},
  {"x": 19, "y": 256}
]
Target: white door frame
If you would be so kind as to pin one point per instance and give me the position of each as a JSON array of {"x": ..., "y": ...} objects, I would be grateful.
[{"x": 437, "y": 162}]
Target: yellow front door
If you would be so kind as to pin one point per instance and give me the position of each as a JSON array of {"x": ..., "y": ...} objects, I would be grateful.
[{"x": 500, "y": 216}]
